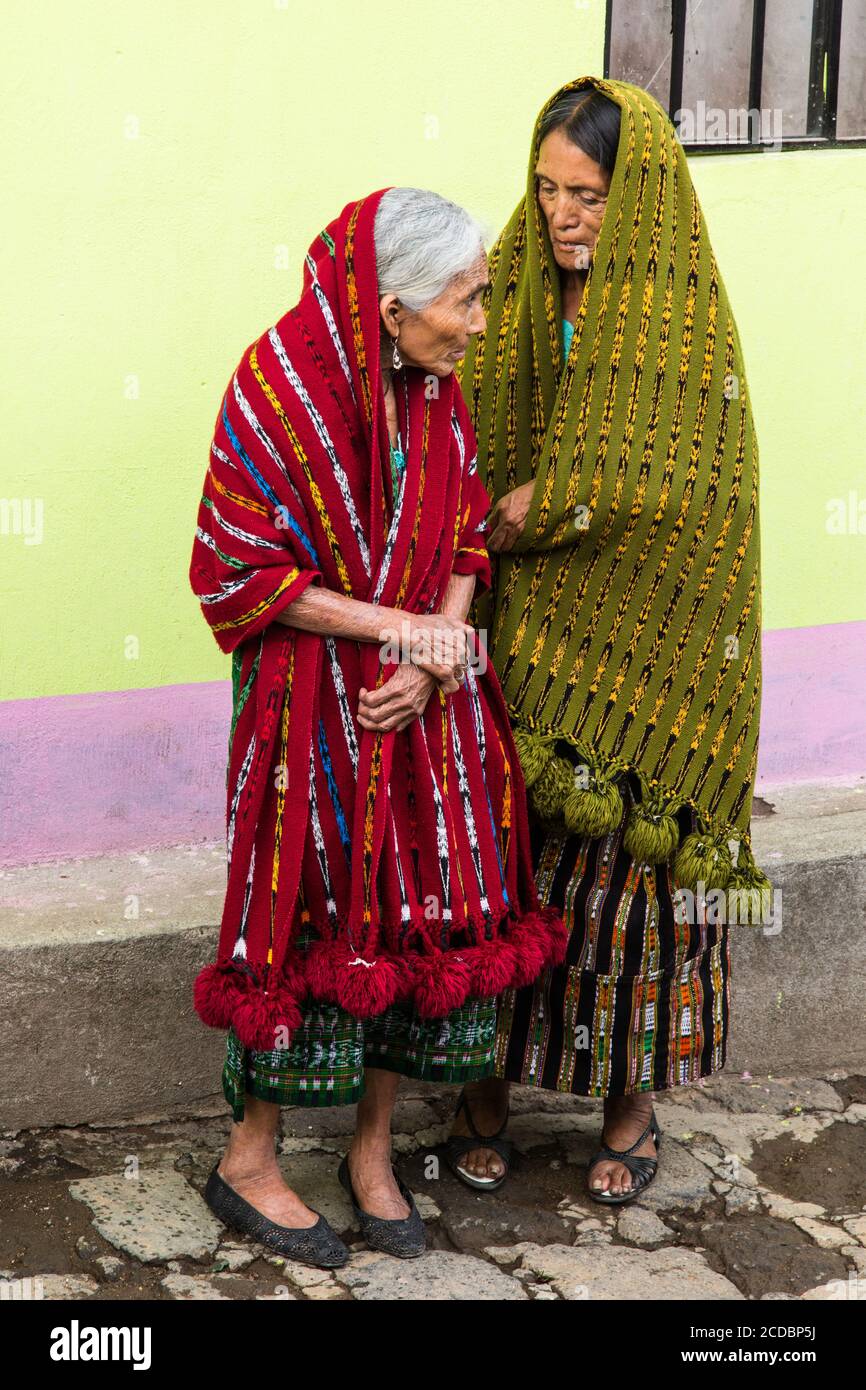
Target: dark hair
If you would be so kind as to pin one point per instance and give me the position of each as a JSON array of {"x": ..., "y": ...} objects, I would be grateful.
[{"x": 590, "y": 120}]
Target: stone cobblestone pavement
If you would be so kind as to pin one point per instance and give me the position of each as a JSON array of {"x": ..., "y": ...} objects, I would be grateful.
[{"x": 760, "y": 1195}]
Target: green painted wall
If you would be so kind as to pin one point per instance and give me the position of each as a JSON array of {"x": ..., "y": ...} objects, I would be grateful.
[{"x": 167, "y": 167}]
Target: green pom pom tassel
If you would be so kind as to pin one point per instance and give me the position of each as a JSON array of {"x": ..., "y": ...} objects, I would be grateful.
[
  {"x": 550, "y": 790},
  {"x": 750, "y": 892},
  {"x": 652, "y": 833},
  {"x": 593, "y": 810},
  {"x": 534, "y": 753},
  {"x": 703, "y": 859}
]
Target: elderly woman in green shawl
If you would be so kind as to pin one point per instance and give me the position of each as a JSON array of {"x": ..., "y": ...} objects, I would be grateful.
[{"x": 616, "y": 437}]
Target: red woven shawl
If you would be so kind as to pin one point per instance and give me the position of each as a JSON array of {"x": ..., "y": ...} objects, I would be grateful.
[{"x": 363, "y": 868}]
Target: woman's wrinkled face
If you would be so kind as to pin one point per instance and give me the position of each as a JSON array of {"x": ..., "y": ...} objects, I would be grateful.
[
  {"x": 572, "y": 193},
  {"x": 436, "y": 338}
]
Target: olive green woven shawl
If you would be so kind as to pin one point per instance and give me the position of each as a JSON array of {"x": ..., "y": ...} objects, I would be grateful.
[{"x": 625, "y": 623}]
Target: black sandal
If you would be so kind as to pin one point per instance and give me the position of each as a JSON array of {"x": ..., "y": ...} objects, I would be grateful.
[
  {"x": 642, "y": 1170},
  {"x": 457, "y": 1146}
]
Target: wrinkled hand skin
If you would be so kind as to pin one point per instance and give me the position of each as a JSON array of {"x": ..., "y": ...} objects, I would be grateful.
[
  {"x": 439, "y": 645},
  {"x": 508, "y": 517},
  {"x": 395, "y": 704},
  {"x": 405, "y": 695}
]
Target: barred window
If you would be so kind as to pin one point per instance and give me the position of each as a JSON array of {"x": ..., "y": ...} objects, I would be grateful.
[{"x": 745, "y": 74}]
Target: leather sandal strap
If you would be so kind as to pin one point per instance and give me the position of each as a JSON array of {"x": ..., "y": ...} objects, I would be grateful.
[
  {"x": 463, "y": 1104},
  {"x": 623, "y": 1153},
  {"x": 641, "y": 1168}
]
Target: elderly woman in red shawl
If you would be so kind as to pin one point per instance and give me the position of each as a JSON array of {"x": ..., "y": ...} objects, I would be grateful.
[{"x": 380, "y": 890}]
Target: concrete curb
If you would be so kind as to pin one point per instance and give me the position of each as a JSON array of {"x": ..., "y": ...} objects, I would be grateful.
[{"x": 98, "y": 958}]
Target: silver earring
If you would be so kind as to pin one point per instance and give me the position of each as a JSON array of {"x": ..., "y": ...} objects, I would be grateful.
[{"x": 396, "y": 358}]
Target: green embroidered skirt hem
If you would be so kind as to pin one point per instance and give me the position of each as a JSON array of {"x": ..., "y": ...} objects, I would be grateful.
[{"x": 325, "y": 1062}]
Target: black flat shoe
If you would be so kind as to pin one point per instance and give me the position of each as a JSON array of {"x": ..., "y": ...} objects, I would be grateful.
[
  {"x": 404, "y": 1237},
  {"x": 310, "y": 1245},
  {"x": 457, "y": 1146},
  {"x": 642, "y": 1170}
]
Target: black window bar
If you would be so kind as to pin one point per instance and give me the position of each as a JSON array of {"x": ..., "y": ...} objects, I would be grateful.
[
  {"x": 756, "y": 69},
  {"x": 823, "y": 89},
  {"x": 824, "y": 52}
]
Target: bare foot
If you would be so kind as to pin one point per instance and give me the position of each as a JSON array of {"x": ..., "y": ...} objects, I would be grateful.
[
  {"x": 262, "y": 1185},
  {"x": 488, "y": 1102},
  {"x": 625, "y": 1118},
  {"x": 372, "y": 1177}
]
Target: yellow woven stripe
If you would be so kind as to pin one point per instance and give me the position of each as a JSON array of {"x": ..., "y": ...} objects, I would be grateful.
[
  {"x": 688, "y": 565},
  {"x": 638, "y": 567},
  {"x": 460, "y": 519},
  {"x": 517, "y": 255},
  {"x": 301, "y": 456},
  {"x": 568, "y": 620},
  {"x": 416, "y": 526},
  {"x": 511, "y": 451},
  {"x": 355, "y": 313},
  {"x": 251, "y": 505},
  {"x": 281, "y": 795},
  {"x": 746, "y": 725},
  {"x": 260, "y": 608},
  {"x": 570, "y": 1015}
]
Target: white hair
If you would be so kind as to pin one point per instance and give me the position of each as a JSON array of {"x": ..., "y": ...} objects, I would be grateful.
[{"x": 423, "y": 241}]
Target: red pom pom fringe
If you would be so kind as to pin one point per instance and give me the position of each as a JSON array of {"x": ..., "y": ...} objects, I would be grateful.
[
  {"x": 337, "y": 974},
  {"x": 226, "y": 996},
  {"x": 492, "y": 967},
  {"x": 442, "y": 982},
  {"x": 217, "y": 991},
  {"x": 266, "y": 1021}
]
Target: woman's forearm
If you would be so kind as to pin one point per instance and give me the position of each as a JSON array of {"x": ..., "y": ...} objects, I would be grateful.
[
  {"x": 335, "y": 615},
  {"x": 435, "y": 642},
  {"x": 458, "y": 596}
]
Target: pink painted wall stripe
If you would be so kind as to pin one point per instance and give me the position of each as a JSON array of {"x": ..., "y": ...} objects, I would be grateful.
[
  {"x": 114, "y": 771},
  {"x": 813, "y": 707},
  {"x": 133, "y": 770}
]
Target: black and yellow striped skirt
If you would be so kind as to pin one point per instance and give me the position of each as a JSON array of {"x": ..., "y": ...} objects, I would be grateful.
[{"x": 642, "y": 1000}]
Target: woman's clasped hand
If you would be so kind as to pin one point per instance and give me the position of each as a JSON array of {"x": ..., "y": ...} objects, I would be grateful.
[{"x": 434, "y": 650}]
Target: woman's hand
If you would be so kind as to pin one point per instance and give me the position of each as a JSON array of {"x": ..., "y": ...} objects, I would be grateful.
[
  {"x": 508, "y": 517},
  {"x": 395, "y": 704},
  {"x": 438, "y": 645}
]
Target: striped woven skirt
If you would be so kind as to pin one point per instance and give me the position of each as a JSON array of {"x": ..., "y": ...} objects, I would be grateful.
[
  {"x": 326, "y": 1060},
  {"x": 642, "y": 1000}
]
